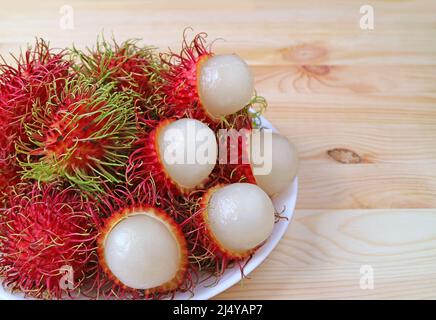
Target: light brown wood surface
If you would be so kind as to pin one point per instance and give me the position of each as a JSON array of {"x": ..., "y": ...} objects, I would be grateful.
[{"x": 359, "y": 104}]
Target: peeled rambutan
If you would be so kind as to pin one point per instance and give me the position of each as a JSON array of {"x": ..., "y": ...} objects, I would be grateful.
[
  {"x": 260, "y": 157},
  {"x": 47, "y": 240},
  {"x": 283, "y": 165},
  {"x": 198, "y": 84},
  {"x": 142, "y": 251},
  {"x": 178, "y": 155},
  {"x": 228, "y": 224},
  {"x": 83, "y": 135}
]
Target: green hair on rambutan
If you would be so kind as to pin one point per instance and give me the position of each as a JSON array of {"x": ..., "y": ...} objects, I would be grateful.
[
  {"x": 127, "y": 64},
  {"x": 132, "y": 67},
  {"x": 83, "y": 134}
]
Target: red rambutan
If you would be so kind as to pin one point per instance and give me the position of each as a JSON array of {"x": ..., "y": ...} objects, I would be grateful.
[
  {"x": 132, "y": 68},
  {"x": 234, "y": 164},
  {"x": 47, "y": 240},
  {"x": 142, "y": 251},
  {"x": 198, "y": 84},
  {"x": 36, "y": 73},
  {"x": 83, "y": 135},
  {"x": 228, "y": 224},
  {"x": 23, "y": 84},
  {"x": 8, "y": 167},
  {"x": 178, "y": 155},
  {"x": 126, "y": 64}
]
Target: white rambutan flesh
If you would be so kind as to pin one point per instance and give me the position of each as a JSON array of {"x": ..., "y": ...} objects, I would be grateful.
[
  {"x": 225, "y": 85},
  {"x": 284, "y": 165},
  {"x": 188, "y": 150},
  {"x": 240, "y": 216},
  {"x": 141, "y": 251}
]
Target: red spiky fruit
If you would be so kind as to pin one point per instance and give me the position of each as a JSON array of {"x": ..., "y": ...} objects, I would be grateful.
[
  {"x": 132, "y": 68},
  {"x": 82, "y": 135},
  {"x": 31, "y": 81},
  {"x": 152, "y": 157},
  {"x": 26, "y": 82},
  {"x": 142, "y": 251},
  {"x": 229, "y": 223},
  {"x": 8, "y": 166},
  {"x": 198, "y": 84},
  {"x": 47, "y": 240}
]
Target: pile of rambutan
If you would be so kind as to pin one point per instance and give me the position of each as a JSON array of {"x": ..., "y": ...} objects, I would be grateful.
[{"x": 113, "y": 179}]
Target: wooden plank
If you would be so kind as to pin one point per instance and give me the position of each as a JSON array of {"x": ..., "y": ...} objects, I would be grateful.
[
  {"x": 282, "y": 32},
  {"x": 360, "y": 106},
  {"x": 323, "y": 252},
  {"x": 308, "y": 80},
  {"x": 386, "y": 117}
]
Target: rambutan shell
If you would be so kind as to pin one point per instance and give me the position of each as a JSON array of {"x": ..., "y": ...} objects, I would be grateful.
[
  {"x": 82, "y": 136},
  {"x": 44, "y": 231},
  {"x": 179, "y": 87}
]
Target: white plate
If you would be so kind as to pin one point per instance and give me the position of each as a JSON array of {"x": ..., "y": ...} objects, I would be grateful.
[{"x": 284, "y": 203}]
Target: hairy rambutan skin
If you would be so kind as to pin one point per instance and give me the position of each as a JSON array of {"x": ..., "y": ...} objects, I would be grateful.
[
  {"x": 26, "y": 81},
  {"x": 233, "y": 169},
  {"x": 179, "y": 92},
  {"x": 126, "y": 64},
  {"x": 82, "y": 135},
  {"x": 44, "y": 231},
  {"x": 29, "y": 81},
  {"x": 131, "y": 67},
  {"x": 179, "y": 88},
  {"x": 114, "y": 207},
  {"x": 8, "y": 166},
  {"x": 243, "y": 122}
]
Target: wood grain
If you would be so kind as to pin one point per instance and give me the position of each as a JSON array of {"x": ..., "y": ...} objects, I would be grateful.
[
  {"x": 359, "y": 105},
  {"x": 324, "y": 250}
]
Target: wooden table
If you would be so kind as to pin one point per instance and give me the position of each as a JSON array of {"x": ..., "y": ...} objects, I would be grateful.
[{"x": 359, "y": 104}]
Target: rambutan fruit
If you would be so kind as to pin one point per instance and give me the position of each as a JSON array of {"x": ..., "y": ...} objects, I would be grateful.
[
  {"x": 142, "y": 251},
  {"x": 179, "y": 155},
  {"x": 283, "y": 164},
  {"x": 83, "y": 135},
  {"x": 198, "y": 84},
  {"x": 8, "y": 167},
  {"x": 25, "y": 82},
  {"x": 228, "y": 224},
  {"x": 47, "y": 240},
  {"x": 132, "y": 68},
  {"x": 8, "y": 174},
  {"x": 37, "y": 72},
  {"x": 260, "y": 157}
]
